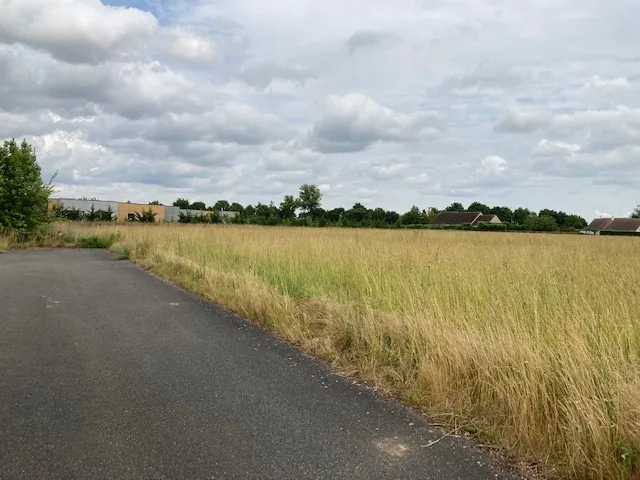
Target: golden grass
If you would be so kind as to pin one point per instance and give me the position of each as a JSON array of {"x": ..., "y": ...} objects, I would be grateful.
[{"x": 532, "y": 340}]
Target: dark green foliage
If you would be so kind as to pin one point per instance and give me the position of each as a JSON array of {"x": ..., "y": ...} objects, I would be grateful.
[
  {"x": 146, "y": 216},
  {"x": 478, "y": 207},
  {"x": 24, "y": 196},
  {"x": 636, "y": 212},
  {"x": 97, "y": 241},
  {"x": 182, "y": 203},
  {"x": 455, "y": 207},
  {"x": 543, "y": 223},
  {"x": 198, "y": 206},
  {"x": 207, "y": 217}
]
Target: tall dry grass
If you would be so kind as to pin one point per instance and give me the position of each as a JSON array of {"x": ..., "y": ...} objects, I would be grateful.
[{"x": 531, "y": 340}]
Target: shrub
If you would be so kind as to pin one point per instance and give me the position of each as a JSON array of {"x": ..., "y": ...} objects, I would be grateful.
[{"x": 98, "y": 241}]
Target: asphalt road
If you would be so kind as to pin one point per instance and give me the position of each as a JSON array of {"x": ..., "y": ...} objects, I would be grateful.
[{"x": 107, "y": 372}]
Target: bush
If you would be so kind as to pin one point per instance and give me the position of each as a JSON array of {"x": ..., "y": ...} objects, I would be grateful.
[{"x": 96, "y": 241}]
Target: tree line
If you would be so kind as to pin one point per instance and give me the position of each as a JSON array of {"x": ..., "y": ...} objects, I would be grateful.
[{"x": 305, "y": 209}]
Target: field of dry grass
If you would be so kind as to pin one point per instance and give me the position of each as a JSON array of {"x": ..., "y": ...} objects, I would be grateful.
[{"x": 531, "y": 340}]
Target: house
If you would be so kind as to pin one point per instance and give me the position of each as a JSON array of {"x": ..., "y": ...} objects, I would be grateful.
[
  {"x": 464, "y": 218},
  {"x": 614, "y": 225}
]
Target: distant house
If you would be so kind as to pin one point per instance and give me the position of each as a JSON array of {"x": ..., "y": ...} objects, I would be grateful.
[
  {"x": 464, "y": 218},
  {"x": 614, "y": 225}
]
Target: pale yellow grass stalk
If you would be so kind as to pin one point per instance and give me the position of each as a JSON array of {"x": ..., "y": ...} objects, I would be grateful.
[{"x": 532, "y": 340}]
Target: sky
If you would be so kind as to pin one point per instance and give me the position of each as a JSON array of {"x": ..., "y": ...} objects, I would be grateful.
[{"x": 386, "y": 103}]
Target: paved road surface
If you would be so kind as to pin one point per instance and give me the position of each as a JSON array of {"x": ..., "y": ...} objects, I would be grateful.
[{"x": 107, "y": 372}]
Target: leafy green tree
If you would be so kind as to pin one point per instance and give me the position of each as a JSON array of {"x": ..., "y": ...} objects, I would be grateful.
[
  {"x": 455, "y": 207},
  {"x": 198, "y": 206},
  {"x": 335, "y": 214},
  {"x": 155, "y": 202},
  {"x": 309, "y": 197},
  {"x": 520, "y": 215},
  {"x": 236, "y": 207},
  {"x": 222, "y": 205},
  {"x": 24, "y": 197},
  {"x": 146, "y": 216},
  {"x": 391, "y": 217},
  {"x": 414, "y": 217},
  {"x": 575, "y": 221},
  {"x": 182, "y": 203},
  {"x": 544, "y": 223},
  {"x": 479, "y": 207},
  {"x": 636, "y": 212},
  {"x": 505, "y": 214},
  {"x": 288, "y": 207}
]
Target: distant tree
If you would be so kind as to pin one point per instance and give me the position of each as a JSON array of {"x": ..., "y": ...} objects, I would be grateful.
[
  {"x": 155, "y": 202},
  {"x": 236, "y": 207},
  {"x": 414, "y": 217},
  {"x": 575, "y": 221},
  {"x": 636, "y": 212},
  {"x": 288, "y": 207},
  {"x": 335, "y": 214},
  {"x": 391, "y": 217},
  {"x": 455, "y": 207},
  {"x": 146, "y": 216},
  {"x": 182, "y": 203},
  {"x": 106, "y": 215},
  {"x": 505, "y": 214},
  {"x": 520, "y": 215},
  {"x": 93, "y": 215},
  {"x": 478, "y": 207},
  {"x": 544, "y": 223},
  {"x": 431, "y": 213},
  {"x": 358, "y": 215},
  {"x": 198, "y": 206},
  {"x": 24, "y": 197},
  {"x": 222, "y": 205},
  {"x": 309, "y": 197}
]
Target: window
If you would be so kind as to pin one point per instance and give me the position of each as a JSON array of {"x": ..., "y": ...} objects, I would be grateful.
[{"x": 131, "y": 217}]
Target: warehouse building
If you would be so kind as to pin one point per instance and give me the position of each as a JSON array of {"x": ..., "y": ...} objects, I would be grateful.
[{"x": 123, "y": 212}]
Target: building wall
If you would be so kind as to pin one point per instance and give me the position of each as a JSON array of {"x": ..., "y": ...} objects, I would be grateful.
[
  {"x": 171, "y": 214},
  {"x": 495, "y": 219},
  {"x": 124, "y": 209},
  {"x": 85, "y": 205}
]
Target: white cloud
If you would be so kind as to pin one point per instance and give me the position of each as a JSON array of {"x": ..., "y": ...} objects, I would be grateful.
[
  {"x": 353, "y": 122},
  {"x": 184, "y": 45},
  {"x": 77, "y": 31}
]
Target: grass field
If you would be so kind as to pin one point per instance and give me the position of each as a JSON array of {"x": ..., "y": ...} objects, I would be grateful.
[{"x": 532, "y": 341}]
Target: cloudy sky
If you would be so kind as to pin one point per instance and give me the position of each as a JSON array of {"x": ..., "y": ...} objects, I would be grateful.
[{"x": 388, "y": 103}]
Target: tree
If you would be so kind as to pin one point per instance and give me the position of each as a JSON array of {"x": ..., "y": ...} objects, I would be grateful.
[
  {"x": 413, "y": 217},
  {"x": 544, "y": 223},
  {"x": 505, "y": 214},
  {"x": 288, "y": 207},
  {"x": 155, "y": 202},
  {"x": 520, "y": 215},
  {"x": 222, "y": 205},
  {"x": 24, "y": 197},
  {"x": 146, "y": 216},
  {"x": 478, "y": 207},
  {"x": 236, "y": 207},
  {"x": 636, "y": 212},
  {"x": 93, "y": 215},
  {"x": 309, "y": 197},
  {"x": 455, "y": 207},
  {"x": 198, "y": 206},
  {"x": 182, "y": 203}
]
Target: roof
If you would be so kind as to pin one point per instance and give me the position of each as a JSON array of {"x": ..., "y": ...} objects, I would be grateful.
[
  {"x": 624, "y": 225},
  {"x": 455, "y": 218},
  {"x": 486, "y": 218},
  {"x": 599, "y": 223}
]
